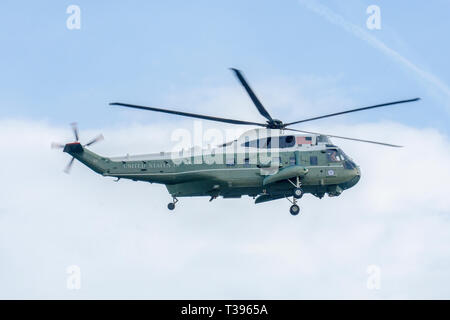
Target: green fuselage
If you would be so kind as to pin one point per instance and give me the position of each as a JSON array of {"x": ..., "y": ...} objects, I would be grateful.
[{"x": 327, "y": 170}]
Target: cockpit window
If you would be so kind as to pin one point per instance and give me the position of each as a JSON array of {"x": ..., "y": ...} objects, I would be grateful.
[
  {"x": 334, "y": 155},
  {"x": 343, "y": 155}
]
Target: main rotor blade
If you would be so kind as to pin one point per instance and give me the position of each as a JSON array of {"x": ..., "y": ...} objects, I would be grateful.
[
  {"x": 187, "y": 114},
  {"x": 96, "y": 139},
  {"x": 75, "y": 130},
  {"x": 353, "y": 110},
  {"x": 252, "y": 95},
  {"x": 346, "y": 138},
  {"x": 69, "y": 166}
]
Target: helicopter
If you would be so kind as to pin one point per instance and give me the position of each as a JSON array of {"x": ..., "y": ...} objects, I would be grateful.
[{"x": 272, "y": 161}]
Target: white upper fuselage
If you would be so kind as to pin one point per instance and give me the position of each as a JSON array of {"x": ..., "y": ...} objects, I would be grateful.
[{"x": 252, "y": 141}]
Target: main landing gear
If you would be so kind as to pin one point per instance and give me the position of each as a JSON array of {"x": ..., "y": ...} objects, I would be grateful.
[
  {"x": 171, "y": 205},
  {"x": 297, "y": 193}
]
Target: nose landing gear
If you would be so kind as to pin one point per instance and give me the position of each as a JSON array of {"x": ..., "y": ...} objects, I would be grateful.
[{"x": 294, "y": 210}]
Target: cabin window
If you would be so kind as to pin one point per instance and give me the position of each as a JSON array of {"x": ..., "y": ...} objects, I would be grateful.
[
  {"x": 287, "y": 141},
  {"x": 292, "y": 160},
  {"x": 313, "y": 160},
  {"x": 266, "y": 143},
  {"x": 260, "y": 143},
  {"x": 250, "y": 144},
  {"x": 322, "y": 138},
  {"x": 230, "y": 161}
]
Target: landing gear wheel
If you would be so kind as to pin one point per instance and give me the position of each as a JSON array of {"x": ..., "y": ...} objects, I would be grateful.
[
  {"x": 298, "y": 193},
  {"x": 294, "y": 210},
  {"x": 171, "y": 205}
]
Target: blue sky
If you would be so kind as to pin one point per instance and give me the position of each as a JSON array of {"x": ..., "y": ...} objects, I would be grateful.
[
  {"x": 146, "y": 52},
  {"x": 301, "y": 63}
]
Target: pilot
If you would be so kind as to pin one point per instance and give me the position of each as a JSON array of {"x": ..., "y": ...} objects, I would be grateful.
[{"x": 333, "y": 156}]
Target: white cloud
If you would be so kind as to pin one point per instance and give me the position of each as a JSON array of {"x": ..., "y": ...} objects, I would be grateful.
[{"x": 129, "y": 246}]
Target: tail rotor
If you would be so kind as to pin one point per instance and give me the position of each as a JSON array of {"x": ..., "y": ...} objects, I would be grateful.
[
  {"x": 69, "y": 166},
  {"x": 68, "y": 146},
  {"x": 95, "y": 140},
  {"x": 74, "y": 126}
]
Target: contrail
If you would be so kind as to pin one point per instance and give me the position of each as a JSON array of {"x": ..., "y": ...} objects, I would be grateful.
[{"x": 359, "y": 32}]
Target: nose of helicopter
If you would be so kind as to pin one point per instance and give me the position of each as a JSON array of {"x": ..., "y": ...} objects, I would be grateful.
[{"x": 354, "y": 175}]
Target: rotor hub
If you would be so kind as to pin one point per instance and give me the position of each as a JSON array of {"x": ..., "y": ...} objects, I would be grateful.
[{"x": 275, "y": 124}]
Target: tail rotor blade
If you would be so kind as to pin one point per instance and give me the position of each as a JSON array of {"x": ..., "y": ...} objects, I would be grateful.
[
  {"x": 69, "y": 166},
  {"x": 95, "y": 140},
  {"x": 75, "y": 131},
  {"x": 56, "y": 145}
]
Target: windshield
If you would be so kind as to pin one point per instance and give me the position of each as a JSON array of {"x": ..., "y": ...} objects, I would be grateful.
[{"x": 346, "y": 157}]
